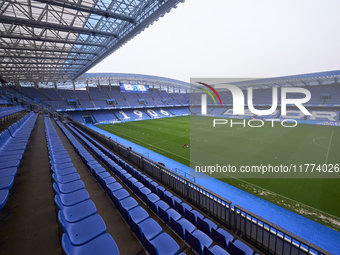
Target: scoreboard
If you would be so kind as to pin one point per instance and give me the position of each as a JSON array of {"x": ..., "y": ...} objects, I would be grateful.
[{"x": 135, "y": 88}]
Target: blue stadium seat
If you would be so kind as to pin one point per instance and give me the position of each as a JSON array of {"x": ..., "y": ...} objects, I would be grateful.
[
  {"x": 3, "y": 197},
  {"x": 74, "y": 197},
  {"x": 221, "y": 236},
  {"x": 166, "y": 214},
  {"x": 167, "y": 197},
  {"x": 9, "y": 164},
  {"x": 162, "y": 244},
  {"x": 175, "y": 199},
  {"x": 151, "y": 200},
  {"x": 12, "y": 171},
  {"x": 94, "y": 167},
  {"x": 239, "y": 248},
  {"x": 160, "y": 204},
  {"x": 181, "y": 207},
  {"x": 71, "y": 186},
  {"x": 147, "y": 181},
  {"x": 143, "y": 192},
  {"x": 61, "y": 160},
  {"x": 66, "y": 178},
  {"x": 181, "y": 226},
  {"x": 108, "y": 181},
  {"x": 97, "y": 170},
  {"x": 4, "y": 157},
  {"x": 62, "y": 166},
  {"x": 198, "y": 240},
  {"x": 101, "y": 177},
  {"x": 206, "y": 225},
  {"x": 112, "y": 187},
  {"x": 137, "y": 215},
  {"x": 83, "y": 231},
  {"x": 130, "y": 182},
  {"x": 120, "y": 172},
  {"x": 215, "y": 250},
  {"x": 193, "y": 215},
  {"x": 65, "y": 171},
  {"x": 126, "y": 205},
  {"x": 160, "y": 191},
  {"x": 136, "y": 187},
  {"x": 103, "y": 245},
  {"x": 76, "y": 212},
  {"x": 119, "y": 195},
  {"x": 153, "y": 186},
  {"x": 147, "y": 229},
  {"x": 6, "y": 182},
  {"x": 125, "y": 177}
]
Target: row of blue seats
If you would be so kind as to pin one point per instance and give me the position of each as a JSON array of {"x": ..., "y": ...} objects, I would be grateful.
[
  {"x": 160, "y": 200},
  {"x": 84, "y": 229},
  {"x": 7, "y": 111},
  {"x": 13, "y": 142},
  {"x": 147, "y": 230}
]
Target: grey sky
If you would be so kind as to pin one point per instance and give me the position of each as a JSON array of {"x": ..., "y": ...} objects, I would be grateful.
[{"x": 243, "y": 38}]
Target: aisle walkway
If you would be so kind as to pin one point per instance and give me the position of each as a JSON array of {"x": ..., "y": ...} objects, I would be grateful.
[{"x": 28, "y": 220}]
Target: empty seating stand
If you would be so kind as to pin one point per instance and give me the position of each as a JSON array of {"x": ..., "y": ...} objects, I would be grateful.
[
  {"x": 147, "y": 230},
  {"x": 13, "y": 142},
  {"x": 7, "y": 113},
  {"x": 196, "y": 230},
  {"x": 84, "y": 229}
]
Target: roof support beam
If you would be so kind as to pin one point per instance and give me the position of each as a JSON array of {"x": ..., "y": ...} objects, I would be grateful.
[
  {"x": 39, "y": 68},
  {"x": 44, "y": 63},
  {"x": 37, "y": 72},
  {"x": 43, "y": 57},
  {"x": 13, "y": 75},
  {"x": 87, "y": 9},
  {"x": 30, "y": 38},
  {"x": 39, "y": 24},
  {"x": 45, "y": 50}
]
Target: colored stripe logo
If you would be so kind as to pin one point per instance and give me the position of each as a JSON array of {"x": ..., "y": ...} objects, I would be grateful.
[{"x": 213, "y": 90}]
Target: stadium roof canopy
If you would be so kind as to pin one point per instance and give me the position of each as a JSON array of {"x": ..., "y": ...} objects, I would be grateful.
[
  {"x": 45, "y": 40},
  {"x": 300, "y": 80},
  {"x": 134, "y": 78}
]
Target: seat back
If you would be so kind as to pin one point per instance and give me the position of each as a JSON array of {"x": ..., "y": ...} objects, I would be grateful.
[
  {"x": 193, "y": 242},
  {"x": 58, "y": 202},
  {"x": 150, "y": 247},
  {"x": 190, "y": 216},
  {"x": 177, "y": 227},
  {"x": 221, "y": 236},
  {"x": 64, "y": 224},
  {"x": 56, "y": 188},
  {"x": 163, "y": 215},
  {"x": 206, "y": 251},
  {"x": 234, "y": 250},
  {"x": 204, "y": 226}
]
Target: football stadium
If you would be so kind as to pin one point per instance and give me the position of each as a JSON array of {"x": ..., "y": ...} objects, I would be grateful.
[{"x": 126, "y": 163}]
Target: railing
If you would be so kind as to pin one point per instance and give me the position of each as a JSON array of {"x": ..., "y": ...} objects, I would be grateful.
[
  {"x": 259, "y": 232},
  {"x": 183, "y": 173},
  {"x": 269, "y": 237}
]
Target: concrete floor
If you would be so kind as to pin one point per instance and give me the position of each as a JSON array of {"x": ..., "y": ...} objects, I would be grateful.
[{"x": 28, "y": 220}]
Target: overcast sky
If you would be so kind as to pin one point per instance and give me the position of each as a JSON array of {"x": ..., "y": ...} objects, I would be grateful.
[{"x": 243, "y": 38}]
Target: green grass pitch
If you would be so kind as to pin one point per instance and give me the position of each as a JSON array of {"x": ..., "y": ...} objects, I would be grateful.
[{"x": 314, "y": 198}]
